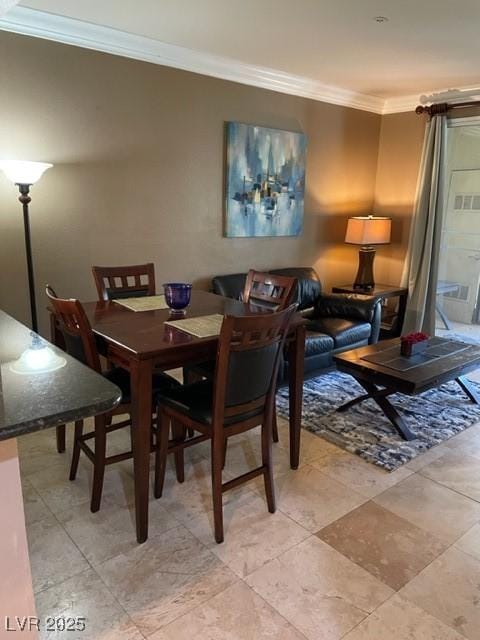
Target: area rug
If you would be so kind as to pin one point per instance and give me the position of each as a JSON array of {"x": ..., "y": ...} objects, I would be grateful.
[{"x": 433, "y": 416}]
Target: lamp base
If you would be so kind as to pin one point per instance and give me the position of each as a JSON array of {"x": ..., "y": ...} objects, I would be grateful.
[{"x": 364, "y": 278}]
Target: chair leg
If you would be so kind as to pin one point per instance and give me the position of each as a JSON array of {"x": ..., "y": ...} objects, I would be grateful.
[
  {"x": 153, "y": 438},
  {"x": 225, "y": 443},
  {"x": 189, "y": 377},
  {"x": 179, "y": 434},
  {"x": 76, "y": 449},
  {"x": 274, "y": 425},
  {"x": 60, "y": 438},
  {"x": 267, "y": 462},
  {"x": 161, "y": 453},
  {"x": 217, "y": 460},
  {"x": 99, "y": 462}
]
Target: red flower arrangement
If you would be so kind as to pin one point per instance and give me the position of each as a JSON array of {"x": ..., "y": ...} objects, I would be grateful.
[
  {"x": 416, "y": 336},
  {"x": 413, "y": 343}
]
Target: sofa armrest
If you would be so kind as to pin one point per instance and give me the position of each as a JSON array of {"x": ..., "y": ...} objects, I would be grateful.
[
  {"x": 229, "y": 286},
  {"x": 353, "y": 306},
  {"x": 307, "y": 313}
]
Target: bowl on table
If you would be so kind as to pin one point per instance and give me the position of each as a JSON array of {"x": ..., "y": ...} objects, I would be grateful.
[{"x": 177, "y": 295}]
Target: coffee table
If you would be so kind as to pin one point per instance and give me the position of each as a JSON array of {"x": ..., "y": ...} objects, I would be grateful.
[{"x": 382, "y": 371}]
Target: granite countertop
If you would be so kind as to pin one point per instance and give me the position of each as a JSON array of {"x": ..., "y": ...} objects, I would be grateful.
[{"x": 35, "y": 400}]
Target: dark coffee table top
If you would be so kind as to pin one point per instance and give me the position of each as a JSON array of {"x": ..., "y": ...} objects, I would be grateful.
[{"x": 417, "y": 378}]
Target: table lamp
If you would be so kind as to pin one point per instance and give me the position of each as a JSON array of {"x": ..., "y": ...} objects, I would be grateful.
[
  {"x": 24, "y": 174},
  {"x": 367, "y": 231}
]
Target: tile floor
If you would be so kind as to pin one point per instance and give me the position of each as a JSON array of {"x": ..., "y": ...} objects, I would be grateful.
[{"x": 352, "y": 552}]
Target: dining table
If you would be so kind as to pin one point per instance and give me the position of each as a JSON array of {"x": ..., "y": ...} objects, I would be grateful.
[{"x": 144, "y": 341}]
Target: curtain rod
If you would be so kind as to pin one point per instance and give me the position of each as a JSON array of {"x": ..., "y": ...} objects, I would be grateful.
[{"x": 443, "y": 107}]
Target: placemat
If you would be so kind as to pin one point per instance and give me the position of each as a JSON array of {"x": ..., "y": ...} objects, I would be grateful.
[
  {"x": 144, "y": 303},
  {"x": 201, "y": 326}
]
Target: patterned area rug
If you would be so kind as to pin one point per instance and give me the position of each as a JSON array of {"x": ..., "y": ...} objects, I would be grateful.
[{"x": 433, "y": 416}]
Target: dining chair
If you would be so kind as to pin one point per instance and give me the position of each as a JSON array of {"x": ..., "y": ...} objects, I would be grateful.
[
  {"x": 80, "y": 343},
  {"x": 240, "y": 397},
  {"x": 271, "y": 291},
  {"x": 133, "y": 281},
  {"x": 264, "y": 290}
]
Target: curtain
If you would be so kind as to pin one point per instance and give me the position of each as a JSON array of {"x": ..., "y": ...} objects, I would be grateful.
[{"x": 420, "y": 271}]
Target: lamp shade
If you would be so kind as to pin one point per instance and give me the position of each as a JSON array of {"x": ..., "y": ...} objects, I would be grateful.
[
  {"x": 368, "y": 230},
  {"x": 24, "y": 171}
]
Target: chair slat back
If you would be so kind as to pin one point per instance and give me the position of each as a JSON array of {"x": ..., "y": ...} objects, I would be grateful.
[
  {"x": 76, "y": 330},
  {"x": 248, "y": 358},
  {"x": 271, "y": 291},
  {"x": 132, "y": 281}
]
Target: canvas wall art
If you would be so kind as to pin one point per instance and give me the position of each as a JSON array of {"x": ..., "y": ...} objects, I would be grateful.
[{"x": 265, "y": 181}]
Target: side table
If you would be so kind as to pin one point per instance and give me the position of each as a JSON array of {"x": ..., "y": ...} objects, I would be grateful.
[{"x": 392, "y": 318}]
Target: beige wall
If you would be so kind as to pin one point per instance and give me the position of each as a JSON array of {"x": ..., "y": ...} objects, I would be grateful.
[
  {"x": 401, "y": 139},
  {"x": 139, "y": 170}
]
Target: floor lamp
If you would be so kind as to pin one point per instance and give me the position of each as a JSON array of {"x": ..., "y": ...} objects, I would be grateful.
[{"x": 23, "y": 174}]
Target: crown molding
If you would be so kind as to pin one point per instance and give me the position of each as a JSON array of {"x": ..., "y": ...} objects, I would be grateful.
[
  {"x": 40, "y": 24},
  {"x": 400, "y": 104},
  {"x": 409, "y": 103},
  {"x": 49, "y": 26}
]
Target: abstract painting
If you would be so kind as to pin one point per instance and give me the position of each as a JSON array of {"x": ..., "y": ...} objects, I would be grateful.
[{"x": 265, "y": 181}]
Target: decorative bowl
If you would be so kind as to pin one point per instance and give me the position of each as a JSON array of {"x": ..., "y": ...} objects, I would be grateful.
[{"x": 177, "y": 295}]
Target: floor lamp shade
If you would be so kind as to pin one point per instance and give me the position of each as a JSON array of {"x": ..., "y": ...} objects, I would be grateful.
[
  {"x": 24, "y": 173},
  {"x": 367, "y": 231}
]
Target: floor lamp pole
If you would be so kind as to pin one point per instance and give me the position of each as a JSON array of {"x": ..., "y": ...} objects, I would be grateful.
[
  {"x": 25, "y": 200},
  {"x": 24, "y": 173}
]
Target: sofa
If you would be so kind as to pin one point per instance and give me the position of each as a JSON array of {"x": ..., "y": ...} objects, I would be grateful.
[{"x": 335, "y": 322}]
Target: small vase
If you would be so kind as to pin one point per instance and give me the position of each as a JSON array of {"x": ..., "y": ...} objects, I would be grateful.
[
  {"x": 177, "y": 295},
  {"x": 408, "y": 349}
]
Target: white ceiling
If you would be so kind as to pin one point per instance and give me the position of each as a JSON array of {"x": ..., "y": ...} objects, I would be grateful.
[{"x": 424, "y": 46}]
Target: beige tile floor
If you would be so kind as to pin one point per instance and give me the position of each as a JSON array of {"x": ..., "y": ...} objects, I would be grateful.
[{"x": 352, "y": 552}]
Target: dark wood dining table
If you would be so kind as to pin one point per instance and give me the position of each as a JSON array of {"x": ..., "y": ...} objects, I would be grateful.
[{"x": 140, "y": 341}]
